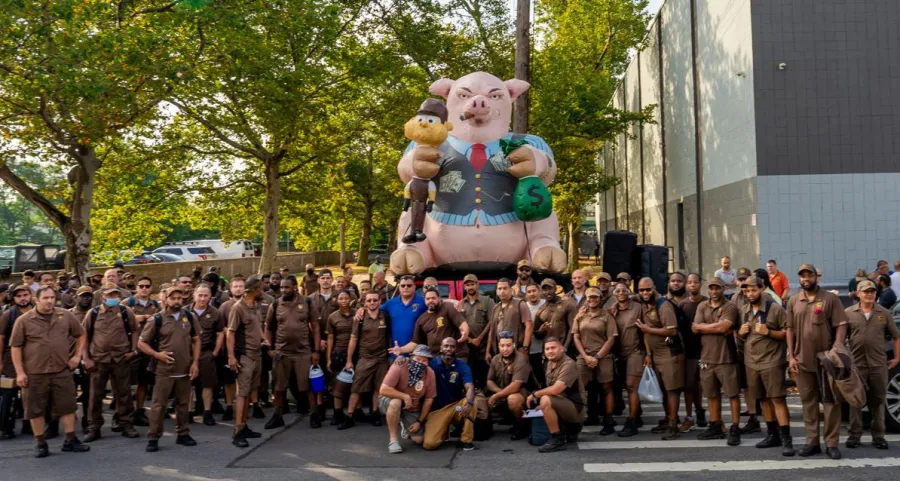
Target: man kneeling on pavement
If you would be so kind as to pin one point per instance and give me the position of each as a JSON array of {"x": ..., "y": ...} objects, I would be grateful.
[
  {"x": 407, "y": 393},
  {"x": 563, "y": 400}
]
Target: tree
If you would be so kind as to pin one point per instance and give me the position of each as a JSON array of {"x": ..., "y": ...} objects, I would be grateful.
[
  {"x": 74, "y": 75},
  {"x": 585, "y": 50},
  {"x": 21, "y": 221}
]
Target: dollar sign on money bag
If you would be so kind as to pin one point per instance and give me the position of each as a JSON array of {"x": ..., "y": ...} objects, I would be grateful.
[{"x": 532, "y": 200}]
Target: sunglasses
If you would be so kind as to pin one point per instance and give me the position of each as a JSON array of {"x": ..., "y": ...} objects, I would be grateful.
[
  {"x": 407, "y": 285},
  {"x": 430, "y": 286},
  {"x": 525, "y": 269},
  {"x": 645, "y": 290},
  {"x": 371, "y": 300},
  {"x": 144, "y": 286},
  {"x": 620, "y": 291}
]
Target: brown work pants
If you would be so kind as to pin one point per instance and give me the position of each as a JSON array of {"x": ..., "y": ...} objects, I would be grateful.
[
  {"x": 119, "y": 376},
  {"x": 875, "y": 381},
  {"x": 437, "y": 425},
  {"x": 811, "y": 394},
  {"x": 164, "y": 386}
]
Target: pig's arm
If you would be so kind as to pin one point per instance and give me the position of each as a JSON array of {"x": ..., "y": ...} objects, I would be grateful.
[{"x": 405, "y": 167}]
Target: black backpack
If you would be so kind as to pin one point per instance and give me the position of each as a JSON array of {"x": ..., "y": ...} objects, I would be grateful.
[
  {"x": 95, "y": 313},
  {"x": 13, "y": 314},
  {"x": 131, "y": 301},
  {"x": 154, "y": 343},
  {"x": 676, "y": 342}
]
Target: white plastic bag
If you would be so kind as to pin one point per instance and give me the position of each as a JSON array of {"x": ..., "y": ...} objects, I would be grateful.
[{"x": 648, "y": 389}]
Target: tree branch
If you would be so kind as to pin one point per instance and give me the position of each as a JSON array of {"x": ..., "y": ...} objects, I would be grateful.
[
  {"x": 19, "y": 185},
  {"x": 162, "y": 8},
  {"x": 261, "y": 155},
  {"x": 297, "y": 167},
  {"x": 424, "y": 66}
]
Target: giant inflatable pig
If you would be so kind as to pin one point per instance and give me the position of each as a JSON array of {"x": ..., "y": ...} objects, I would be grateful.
[{"x": 473, "y": 224}]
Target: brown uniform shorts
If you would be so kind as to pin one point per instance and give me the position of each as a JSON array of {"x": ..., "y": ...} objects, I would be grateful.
[
  {"x": 603, "y": 373},
  {"x": 634, "y": 364},
  {"x": 691, "y": 373},
  {"x": 368, "y": 375},
  {"x": 296, "y": 363},
  {"x": 248, "y": 377},
  {"x": 670, "y": 370},
  {"x": 41, "y": 387},
  {"x": 207, "y": 366},
  {"x": 718, "y": 379},
  {"x": 766, "y": 383},
  {"x": 566, "y": 410}
]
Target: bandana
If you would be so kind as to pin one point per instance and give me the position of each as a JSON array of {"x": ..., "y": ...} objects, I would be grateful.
[{"x": 416, "y": 370}]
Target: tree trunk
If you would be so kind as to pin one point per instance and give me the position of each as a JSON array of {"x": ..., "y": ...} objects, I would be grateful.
[
  {"x": 523, "y": 59},
  {"x": 365, "y": 237},
  {"x": 343, "y": 234},
  {"x": 270, "y": 214},
  {"x": 574, "y": 238}
]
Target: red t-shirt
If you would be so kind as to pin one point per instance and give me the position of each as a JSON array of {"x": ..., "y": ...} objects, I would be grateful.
[{"x": 398, "y": 378}]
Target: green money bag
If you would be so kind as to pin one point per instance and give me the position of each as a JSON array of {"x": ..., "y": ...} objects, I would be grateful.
[{"x": 532, "y": 200}]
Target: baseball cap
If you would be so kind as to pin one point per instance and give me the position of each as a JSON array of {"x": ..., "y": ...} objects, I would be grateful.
[
  {"x": 866, "y": 285},
  {"x": 523, "y": 263},
  {"x": 806, "y": 267},
  {"x": 422, "y": 350},
  {"x": 743, "y": 273},
  {"x": 715, "y": 281},
  {"x": 623, "y": 275},
  {"x": 592, "y": 292},
  {"x": 83, "y": 290},
  {"x": 20, "y": 287},
  {"x": 752, "y": 281},
  {"x": 325, "y": 272},
  {"x": 109, "y": 287},
  {"x": 3, "y": 288},
  {"x": 470, "y": 278},
  {"x": 548, "y": 282},
  {"x": 604, "y": 275},
  {"x": 173, "y": 290}
]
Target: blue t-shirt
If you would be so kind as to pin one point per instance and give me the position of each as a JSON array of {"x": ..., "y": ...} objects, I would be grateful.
[
  {"x": 451, "y": 381},
  {"x": 403, "y": 317}
]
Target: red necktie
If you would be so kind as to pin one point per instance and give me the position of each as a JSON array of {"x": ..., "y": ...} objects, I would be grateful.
[{"x": 478, "y": 157}]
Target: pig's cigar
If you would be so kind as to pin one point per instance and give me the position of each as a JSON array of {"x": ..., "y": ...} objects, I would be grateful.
[{"x": 465, "y": 116}]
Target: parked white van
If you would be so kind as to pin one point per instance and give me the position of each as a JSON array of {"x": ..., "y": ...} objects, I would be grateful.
[{"x": 231, "y": 250}]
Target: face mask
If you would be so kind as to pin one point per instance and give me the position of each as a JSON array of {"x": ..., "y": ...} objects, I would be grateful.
[
  {"x": 416, "y": 371},
  {"x": 111, "y": 302}
]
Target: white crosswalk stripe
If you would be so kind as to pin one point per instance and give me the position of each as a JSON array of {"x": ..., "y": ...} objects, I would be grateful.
[
  {"x": 679, "y": 443},
  {"x": 765, "y": 465}
]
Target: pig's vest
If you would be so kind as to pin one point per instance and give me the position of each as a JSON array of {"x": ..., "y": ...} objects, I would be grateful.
[{"x": 457, "y": 181}]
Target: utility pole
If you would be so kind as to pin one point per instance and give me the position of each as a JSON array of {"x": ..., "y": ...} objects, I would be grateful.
[{"x": 523, "y": 60}]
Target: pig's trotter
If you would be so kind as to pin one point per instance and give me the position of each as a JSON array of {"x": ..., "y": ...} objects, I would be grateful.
[{"x": 549, "y": 258}]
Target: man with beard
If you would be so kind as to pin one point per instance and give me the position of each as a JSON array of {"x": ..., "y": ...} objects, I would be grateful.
[
  {"x": 324, "y": 302},
  {"x": 290, "y": 328},
  {"x": 441, "y": 321},
  {"x": 186, "y": 285},
  {"x": 274, "y": 287},
  {"x": 381, "y": 286},
  {"x": 692, "y": 349},
  {"x": 406, "y": 396},
  {"x": 225, "y": 375},
  {"x": 715, "y": 322},
  {"x": 212, "y": 339},
  {"x": 218, "y": 296},
  {"x": 536, "y": 352},
  {"x": 172, "y": 338},
  {"x": 524, "y": 271},
  {"x": 562, "y": 401},
  {"x": 372, "y": 338},
  {"x": 604, "y": 284},
  {"x": 512, "y": 315},
  {"x": 84, "y": 299},
  {"x": 476, "y": 309},
  {"x": 455, "y": 400},
  {"x": 244, "y": 338},
  {"x": 595, "y": 333},
  {"x": 310, "y": 282},
  {"x": 816, "y": 322},
  {"x": 676, "y": 288},
  {"x": 762, "y": 332},
  {"x": 660, "y": 327},
  {"x": 507, "y": 376},
  {"x": 44, "y": 363},
  {"x": 627, "y": 313},
  {"x": 870, "y": 324},
  {"x": 21, "y": 304},
  {"x": 66, "y": 292},
  {"x": 579, "y": 285},
  {"x": 111, "y": 345}
]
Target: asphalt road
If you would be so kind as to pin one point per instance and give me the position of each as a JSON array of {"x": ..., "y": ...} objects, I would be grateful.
[{"x": 298, "y": 452}]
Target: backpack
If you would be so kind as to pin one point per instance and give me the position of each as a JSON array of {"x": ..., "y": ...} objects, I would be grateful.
[
  {"x": 157, "y": 325},
  {"x": 95, "y": 313},
  {"x": 676, "y": 342},
  {"x": 13, "y": 314},
  {"x": 131, "y": 301}
]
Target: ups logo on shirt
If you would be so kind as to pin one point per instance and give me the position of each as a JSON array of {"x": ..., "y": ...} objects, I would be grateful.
[
  {"x": 880, "y": 319},
  {"x": 415, "y": 307},
  {"x": 651, "y": 315},
  {"x": 453, "y": 377},
  {"x": 440, "y": 322}
]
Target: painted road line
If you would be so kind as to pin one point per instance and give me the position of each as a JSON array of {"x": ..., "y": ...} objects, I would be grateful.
[
  {"x": 594, "y": 429},
  {"x": 766, "y": 465},
  {"x": 684, "y": 443}
]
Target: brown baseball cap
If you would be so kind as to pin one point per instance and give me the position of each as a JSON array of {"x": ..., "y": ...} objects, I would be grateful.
[
  {"x": 753, "y": 281},
  {"x": 109, "y": 287},
  {"x": 548, "y": 282},
  {"x": 866, "y": 285},
  {"x": 523, "y": 263},
  {"x": 604, "y": 276},
  {"x": 592, "y": 292},
  {"x": 470, "y": 278},
  {"x": 743, "y": 273},
  {"x": 19, "y": 287},
  {"x": 434, "y": 107},
  {"x": 173, "y": 290},
  {"x": 806, "y": 267},
  {"x": 84, "y": 290},
  {"x": 715, "y": 281},
  {"x": 623, "y": 275}
]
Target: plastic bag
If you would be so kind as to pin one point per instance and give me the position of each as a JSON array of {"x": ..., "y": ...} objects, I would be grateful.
[{"x": 648, "y": 389}]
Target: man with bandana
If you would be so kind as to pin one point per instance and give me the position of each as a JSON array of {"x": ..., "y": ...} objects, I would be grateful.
[
  {"x": 21, "y": 304},
  {"x": 455, "y": 400},
  {"x": 407, "y": 394}
]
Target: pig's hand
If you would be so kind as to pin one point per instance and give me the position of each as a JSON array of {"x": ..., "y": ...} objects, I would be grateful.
[
  {"x": 424, "y": 157},
  {"x": 523, "y": 162}
]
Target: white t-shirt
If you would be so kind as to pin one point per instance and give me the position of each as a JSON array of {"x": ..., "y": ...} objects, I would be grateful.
[
  {"x": 537, "y": 345},
  {"x": 727, "y": 277}
]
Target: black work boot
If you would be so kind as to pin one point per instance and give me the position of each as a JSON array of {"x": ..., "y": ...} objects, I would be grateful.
[
  {"x": 208, "y": 419},
  {"x": 734, "y": 435},
  {"x": 229, "y": 414},
  {"x": 773, "y": 436},
  {"x": 608, "y": 424},
  {"x": 787, "y": 446},
  {"x": 716, "y": 430},
  {"x": 276, "y": 421},
  {"x": 752, "y": 426},
  {"x": 630, "y": 429},
  {"x": 75, "y": 446},
  {"x": 557, "y": 442}
]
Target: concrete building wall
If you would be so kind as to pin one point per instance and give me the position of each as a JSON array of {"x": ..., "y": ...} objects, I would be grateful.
[
  {"x": 652, "y": 140},
  {"x": 619, "y": 148},
  {"x": 634, "y": 153}
]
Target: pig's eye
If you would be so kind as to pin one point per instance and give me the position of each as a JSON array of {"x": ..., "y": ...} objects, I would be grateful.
[
  {"x": 463, "y": 96},
  {"x": 496, "y": 97}
]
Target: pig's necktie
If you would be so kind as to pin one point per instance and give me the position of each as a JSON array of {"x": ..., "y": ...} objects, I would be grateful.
[{"x": 478, "y": 157}]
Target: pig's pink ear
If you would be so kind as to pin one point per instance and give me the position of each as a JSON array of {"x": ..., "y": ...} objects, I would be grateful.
[
  {"x": 442, "y": 87},
  {"x": 516, "y": 87}
]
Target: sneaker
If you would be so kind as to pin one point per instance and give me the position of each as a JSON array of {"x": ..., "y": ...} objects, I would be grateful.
[
  {"x": 185, "y": 440},
  {"x": 75, "y": 446},
  {"x": 833, "y": 453},
  {"x": 630, "y": 429},
  {"x": 734, "y": 435},
  {"x": 663, "y": 426},
  {"x": 715, "y": 430},
  {"x": 687, "y": 425},
  {"x": 258, "y": 412},
  {"x": 752, "y": 426},
  {"x": 853, "y": 443},
  {"x": 41, "y": 450},
  {"x": 807, "y": 451},
  {"x": 276, "y": 421},
  {"x": 140, "y": 419},
  {"x": 347, "y": 424},
  {"x": 249, "y": 433},
  {"x": 468, "y": 447},
  {"x": 394, "y": 447},
  {"x": 701, "y": 418},
  {"x": 228, "y": 416},
  {"x": 671, "y": 433},
  {"x": 787, "y": 446},
  {"x": 240, "y": 441},
  {"x": 92, "y": 436},
  {"x": 555, "y": 443},
  {"x": 208, "y": 419},
  {"x": 152, "y": 446},
  {"x": 879, "y": 443},
  {"x": 404, "y": 433}
]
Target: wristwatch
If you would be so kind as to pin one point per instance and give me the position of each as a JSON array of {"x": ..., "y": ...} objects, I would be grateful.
[{"x": 136, "y": 352}]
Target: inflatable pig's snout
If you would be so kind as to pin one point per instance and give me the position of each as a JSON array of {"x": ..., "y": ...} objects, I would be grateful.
[{"x": 478, "y": 107}]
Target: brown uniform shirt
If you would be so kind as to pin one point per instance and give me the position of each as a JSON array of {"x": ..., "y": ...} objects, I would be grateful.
[
  {"x": 578, "y": 302},
  {"x": 715, "y": 347},
  {"x": 566, "y": 372},
  {"x": 211, "y": 324},
  {"x": 665, "y": 318},
  {"x": 867, "y": 335},
  {"x": 372, "y": 337},
  {"x": 110, "y": 342},
  {"x": 433, "y": 327},
  {"x": 560, "y": 315},
  {"x": 384, "y": 291},
  {"x": 175, "y": 337},
  {"x": 397, "y": 377},
  {"x": 310, "y": 285},
  {"x": 341, "y": 327},
  {"x": 813, "y": 323},
  {"x": 511, "y": 317},
  {"x": 503, "y": 374},
  {"x": 143, "y": 310},
  {"x": 9, "y": 370},
  {"x": 44, "y": 339},
  {"x": 246, "y": 322},
  {"x": 763, "y": 352},
  {"x": 477, "y": 314},
  {"x": 594, "y": 329},
  {"x": 290, "y": 322},
  {"x": 322, "y": 309},
  {"x": 631, "y": 340},
  {"x": 518, "y": 289}
]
